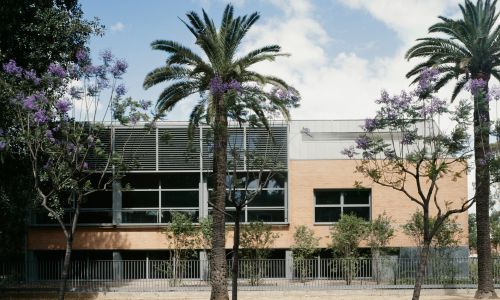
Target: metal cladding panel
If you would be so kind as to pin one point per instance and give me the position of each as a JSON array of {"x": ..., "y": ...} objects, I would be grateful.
[
  {"x": 137, "y": 146},
  {"x": 176, "y": 151},
  {"x": 271, "y": 146},
  {"x": 319, "y": 139},
  {"x": 99, "y": 163}
]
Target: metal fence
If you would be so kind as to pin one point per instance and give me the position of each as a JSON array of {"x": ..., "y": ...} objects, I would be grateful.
[{"x": 269, "y": 274}]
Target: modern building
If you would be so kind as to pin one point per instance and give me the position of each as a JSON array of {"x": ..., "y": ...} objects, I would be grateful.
[{"x": 169, "y": 173}]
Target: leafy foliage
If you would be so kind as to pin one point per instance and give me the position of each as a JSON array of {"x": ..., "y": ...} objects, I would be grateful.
[
  {"x": 35, "y": 34},
  {"x": 223, "y": 74},
  {"x": 381, "y": 232},
  {"x": 305, "y": 243},
  {"x": 181, "y": 236},
  {"x": 495, "y": 230},
  {"x": 257, "y": 239},
  {"x": 403, "y": 149},
  {"x": 447, "y": 236},
  {"x": 61, "y": 142},
  {"x": 347, "y": 234},
  {"x": 304, "y": 247},
  {"x": 465, "y": 48},
  {"x": 471, "y": 220}
]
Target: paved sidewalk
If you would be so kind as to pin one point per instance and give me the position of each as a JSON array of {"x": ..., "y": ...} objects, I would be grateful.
[{"x": 264, "y": 295}]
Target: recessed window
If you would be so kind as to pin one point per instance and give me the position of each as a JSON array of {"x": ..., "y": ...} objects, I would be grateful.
[{"x": 330, "y": 204}]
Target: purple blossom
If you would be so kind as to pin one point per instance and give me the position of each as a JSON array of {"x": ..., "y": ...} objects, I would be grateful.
[
  {"x": 62, "y": 105},
  {"x": 49, "y": 135},
  {"x": 217, "y": 86},
  {"x": 3, "y": 145},
  {"x": 100, "y": 71},
  {"x": 29, "y": 103},
  {"x": 56, "y": 70},
  {"x": 349, "y": 152},
  {"x": 12, "y": 68},
  {"x": 393, "y": 106},
  {"x": 106, "y": 56},
  {"x": 370, "y": 125},
  {"x": 89, "y": 70},
  {"x": 85, "y": 165},
  {"x": 119, "y": 68},
  {"x": 31, "y": 75},
  {"x": 435, "y": 106},
  {"x": 121, "y": 90},
  {"x": 234, "y": 85},
  {"x": 362, "y": 142},
  {"x": 428, "y": 77},
  {"x": 40, "y": 117},
  {"x": 475, "y": 86},
  {"x": 482, "y": 162},
  {"x": 145, "y": 104},
  {"x": 82, "y": 56}
]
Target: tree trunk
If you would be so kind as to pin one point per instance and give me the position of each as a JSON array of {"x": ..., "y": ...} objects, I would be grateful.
[
  {"x": 69, "y": 234},
  {"x": 218, "y": 264},
  {"x": 236, "y": 246},
  {"x": 66, "y": 265},
  {"x": 422, "y": 266},
  {"x": 485, "y": 286}
]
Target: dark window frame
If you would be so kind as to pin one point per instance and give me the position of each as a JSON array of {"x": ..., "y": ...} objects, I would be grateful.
[{"x": 342, "y": 205}]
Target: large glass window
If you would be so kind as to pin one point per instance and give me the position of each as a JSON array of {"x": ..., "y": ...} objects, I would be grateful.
[
  {"x": 330, "y": 204},
  {"x": 267, "y": 206},
  {"x": 153, "y": 197}
]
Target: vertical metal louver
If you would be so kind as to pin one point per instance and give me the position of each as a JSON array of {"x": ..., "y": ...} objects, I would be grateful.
[
  {"x": 208, "y": 148},
  {"x": 103, "y": 141},
  {"x": 176, "y": 151},
  {"x": 137, "y": 146},
  {"x": 269, "y": 146}
]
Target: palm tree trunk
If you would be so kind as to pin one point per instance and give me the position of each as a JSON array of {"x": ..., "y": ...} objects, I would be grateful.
[
  {"x": 218, "y": 264},
  {"x": 485, "y": 286},
  {"x": 236, "y": 246}
]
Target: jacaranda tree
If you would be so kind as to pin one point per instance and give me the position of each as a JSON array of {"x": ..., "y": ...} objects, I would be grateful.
[
  {"x": 35, "y": 33},
  {"x": 467, "y": 49},
  {"x": 228, "y": 89},
  {"x": 59, "y": 126},
  {"x": 403, "y": 149}
]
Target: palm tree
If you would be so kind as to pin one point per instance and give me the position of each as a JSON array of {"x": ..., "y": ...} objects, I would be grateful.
[
  {"x": 469, "y": 52},
  {"x": 228, "y": 89}
]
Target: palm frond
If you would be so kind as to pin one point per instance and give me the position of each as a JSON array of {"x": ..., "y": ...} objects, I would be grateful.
[
  {"x": 165, "y": 73},
  {"x": 459, "y": 87}
]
